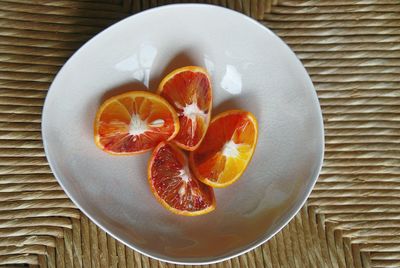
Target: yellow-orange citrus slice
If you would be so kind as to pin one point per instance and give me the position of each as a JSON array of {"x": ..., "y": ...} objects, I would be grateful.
[
  {"x": 174, "y": 185},
  {"x": 189, "y": 90},
  {"x": 134, "y": 122},
  {"x": 226, "y": 149}
]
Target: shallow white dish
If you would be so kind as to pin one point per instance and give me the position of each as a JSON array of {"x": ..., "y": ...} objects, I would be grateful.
[{"x": 251, "y": 69}]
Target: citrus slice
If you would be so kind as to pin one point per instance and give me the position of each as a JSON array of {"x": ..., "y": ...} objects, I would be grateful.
[
  {"x": 188, "y": 89},
  {"x": 174, "y": 185},
  {"x": 226, "y": 149},
  {"x": 134, "y": 122}
]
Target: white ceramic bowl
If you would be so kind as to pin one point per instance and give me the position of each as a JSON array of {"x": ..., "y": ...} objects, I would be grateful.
[{"x": 251, "y": 68}]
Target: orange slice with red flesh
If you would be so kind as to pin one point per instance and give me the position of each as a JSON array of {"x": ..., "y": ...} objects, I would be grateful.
[
  {"x": 134, "y": 122},
  {"x": 174, "y": 185},
  {"x": 189, "y": 90},
  {"x": 226, "y": 149}
]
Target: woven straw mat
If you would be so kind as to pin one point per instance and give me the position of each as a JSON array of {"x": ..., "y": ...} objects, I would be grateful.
[{"x": 351, "y": 49}]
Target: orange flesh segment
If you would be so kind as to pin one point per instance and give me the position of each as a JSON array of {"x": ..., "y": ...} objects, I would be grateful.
[
  {"x": 226, "y": 149},
  {"x": 135, "y": 122},
  {"x": 174, "y": 184},
  {"x": 189, "y": 91}
]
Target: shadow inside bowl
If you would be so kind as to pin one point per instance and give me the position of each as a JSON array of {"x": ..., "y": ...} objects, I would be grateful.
[
  {"x": 181, "y": 59},
  {"x": 134, "y": 85}
]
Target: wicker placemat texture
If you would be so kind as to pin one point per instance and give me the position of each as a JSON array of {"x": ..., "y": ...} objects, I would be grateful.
[{"x": 351, "y": 49}]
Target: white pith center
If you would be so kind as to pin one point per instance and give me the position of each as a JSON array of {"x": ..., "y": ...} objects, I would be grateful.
[
  {"x": 192, "y": 111},
  {"x": 137, "y": 126},
  {"x": 182, "y": 191},
  {"x": 230, "y": 149},
  {"x": 184, "y": 175}
]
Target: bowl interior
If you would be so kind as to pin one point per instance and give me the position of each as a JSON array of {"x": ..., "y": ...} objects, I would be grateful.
[{"x": 251, "y": 69}]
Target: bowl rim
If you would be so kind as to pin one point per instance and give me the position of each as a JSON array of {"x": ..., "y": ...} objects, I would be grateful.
[{"x": 292, "y": 212}]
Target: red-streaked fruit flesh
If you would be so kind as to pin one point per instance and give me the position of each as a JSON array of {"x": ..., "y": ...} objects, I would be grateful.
[
  {"x": 174, "y": 185},
  {"x": 189, "y": 91},
  {"x": 226, "y": 149},
  {"x": 134, "y": 122}
]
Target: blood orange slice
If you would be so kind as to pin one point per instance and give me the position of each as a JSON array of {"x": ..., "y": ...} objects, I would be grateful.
[
  {"x": 226, "y": 149},
  {"x": 134, "y": 122},
  {"x": 174, "y": 185},
  {"x": 188, "y": 89}
]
